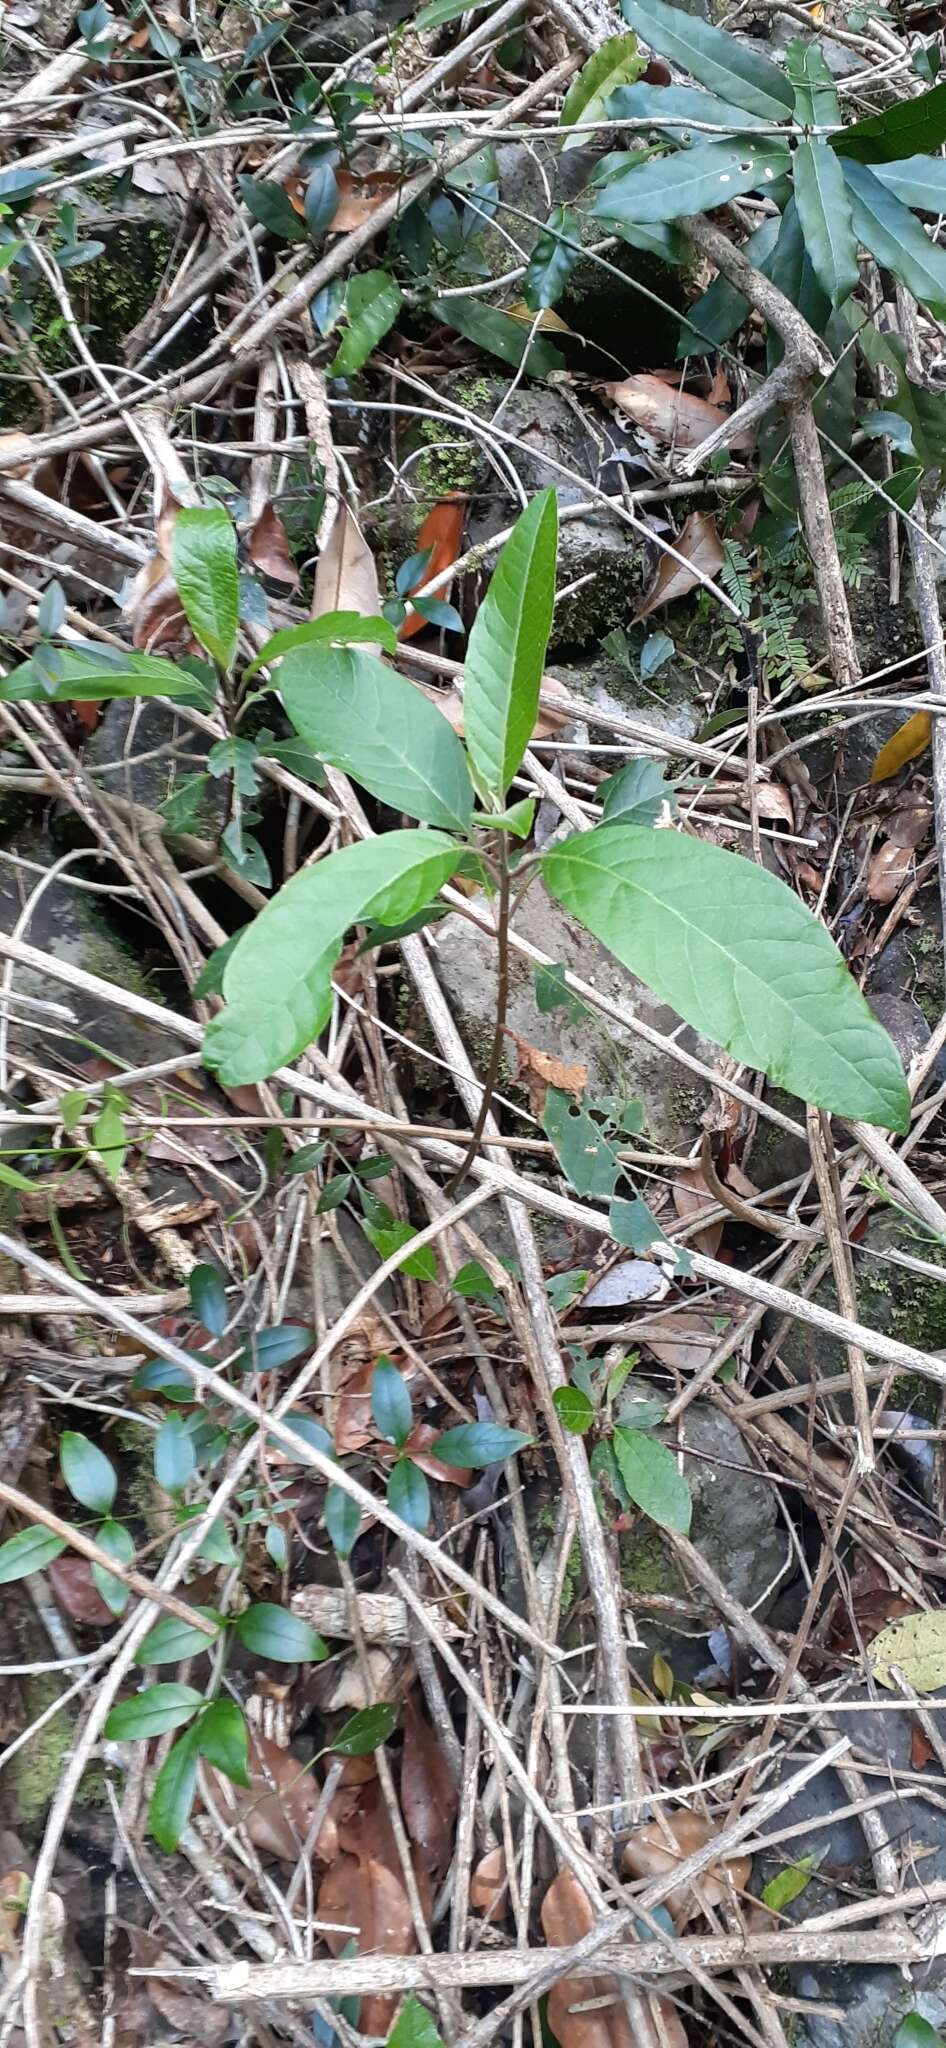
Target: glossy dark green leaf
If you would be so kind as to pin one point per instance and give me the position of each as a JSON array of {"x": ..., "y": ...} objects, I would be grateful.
[
  {"x": 652, "y": 1478},
  {"x": 87, "y": 677},
  {"x": 409, "y": 1494},
  {"x": 170, "y": 1641},
  {"x": 918, "y": 181},
  {"x": 321, "y": 199},
  {"x": 272, "y": 207},
  {"x": 382, "y": 730},
  {"x": 204, "y": 567},
  {"x": 117, "y": 1542},
  {"x": 268, "y": 1350},
  {"x": 175, "y": 1458},
  {"x": 208, "y": 1298},
  {"x": 693, "y": 180},
  {"x": 88, "y": 1474},
  {"x": 30, "y": 1550},
  {"x": 390, "y": 1402},
  {"x": 222, "y": 1738},
  {"x": 907, "y": 127},
  {"x": 342, "y": 1520},
  {"x": 552, "y": 260},
  {"x": 277, "y": 981},
  {"x": 739, "y": 957},
  {"x": 506, "y": 653},
  {"x": 154, "y": 1711},
  {"x": 738, "y": 70},
  {"x": 614, "y": 64},
  {"x": 372, "y": 304},
  {"x": 488, "y": 327},
  {"x": 173, "y": 1795},
  {"x": 366, "y": 1730},
  {"x": 269, "y": 1631},
  {"x": 895, "y": 237},
  {"x": 472, "y": 1444},
  {"x": 824, "y": 211}
]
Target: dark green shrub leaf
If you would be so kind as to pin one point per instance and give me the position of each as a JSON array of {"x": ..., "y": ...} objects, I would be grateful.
[
  {"x": 173, "y": 1794},
  {"x": 390, "y": 1403},
  {"x": 222, "y": 1738},
  {"x": 87, "y": 1472},
  {"x": 374, "y": 724},
  {"x": 409, "y": 1494},
  {"x": 269, "y": 1631},
  {"x": 574, "y": 1410},
  {"x": 487, "y": 327},
  {"x": 321, "y": 199},
  {"x": 916, "y": 2032},
  {"x": 553, "y": 259},
  {"x": 388, "y": 1238},
  {"x": 824, "y": 211},
  {"x": 585, "y": 1154},
  {"x": 153, "y": 1712},
  {"x": 895, "y": 237},
  {"x": 472, "y": 1444},
  {"x": 372, "y": 304},
  {"x": 900, "y": 131},
  {"x": 342, "y": 1520},
  {"x": 333, "y": 629},
  {"x": 636, "y": 794},
  {"x": 365, "y": 1731},
  {"x": 208, "y": 1296},
  {"x": 739, "y": 957},
  {"x": 117, "y": 1542},
  {"x": 204, "y": 567},
  {"x": 650, "y": 1474},
  {"x": 28, "y": 1552},
  {"x": 738, "y": 70},
  {"x": 673, "y": 107},
  {"x": 616, "y": 63},
  {"x": 268, "y": 1350},
  {"x": 170, "y": 1641},
  {"x": 175, "y": 1457},
  {"x": 473, "y": 1282},
  {"x": 508, "y": 641},
  {"x": 272, "y": 207},
  {"x": 918, "y": 181},
  {"x": 693, "y": 180},
  {"x": 91, "y": 676}
]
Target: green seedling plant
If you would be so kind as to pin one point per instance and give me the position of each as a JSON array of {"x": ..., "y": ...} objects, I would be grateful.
[
  {"x": 467, "y": 1446},
  {"x": 640, "y": 1472}
]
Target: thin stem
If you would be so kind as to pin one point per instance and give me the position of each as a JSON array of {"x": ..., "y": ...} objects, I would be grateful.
[{"x": 502, "y": 999}]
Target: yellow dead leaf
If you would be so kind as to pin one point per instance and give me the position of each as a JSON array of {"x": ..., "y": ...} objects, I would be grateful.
[
  {"x": 916, "y": 1645},
  {"x": 904, "y": 745},
  {"x": 547, "y": 322}
]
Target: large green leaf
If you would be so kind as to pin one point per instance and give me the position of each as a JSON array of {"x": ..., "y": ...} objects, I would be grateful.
[
  {"x": 204, "y": 567},
  {"x": 923, "y": 411},
  {"x": 816, "y": 95},
  {"x": 737, "y": 70},
  {"x": 739, "y": 957},
  {"x": 488, "y": 327},
  {"x": 270, "y": 1631},
  {"x": 334, "y": 629},
  {"x": 277, "y": 980},
  {"x": 617, "y": 61},
  {"x": 173, "y": 1794},
  {"x": 897, "y": 240},
  {"x": 85, "y": 675},
  {"x": 153, "y": 1712},
  {"x": 506, "y": 651},
  {"x": 88, "y": 1473},
  {"x": 372, "y": 304},
  {"x": 653, "y": 1478},
  {"x": 28, "y": 1551},
  {"x": 690, "y": 181},
  {"x": 378, "y": 727},
  {"x": 672, "y": 106},
  {"x": 901, "y": 130},
  {"x": 824, "y": 211},
  {"x": 918, "y": 181}
]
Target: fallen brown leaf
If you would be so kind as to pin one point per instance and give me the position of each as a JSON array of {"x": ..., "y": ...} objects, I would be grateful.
[
  {"x": 690, "y": 1195},
  {"x": 346, "y": 579},
  {"x": 76, "y": 1592},
  {"x": 671, "y": 415},
  {"x": 888, "y": 871},
  {"x": 489, "y": 1885},
  {"x": 541, "y": 1071},
  {"x": 267, "y": 547},
  {"x": 909, "y": 824},
  {"x": 418, "y": 1449},
  {"x": 368, "y": 1899},
  {"x": 277, "y": 1807},
  {"x": 700, "y": 545},
  {"x": 567, "y": 1914},
  {"x": 683, "y": 1342},
  {"x": 655, "y": 1849},
  {"x": 428, "y": 1793},
  {"x": 773, "y": 801}
]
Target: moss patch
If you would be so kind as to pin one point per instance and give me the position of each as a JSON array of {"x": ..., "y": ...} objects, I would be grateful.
[
  {"x": 36, "y": 1769},
  {"x": 646, "y": 1564}
]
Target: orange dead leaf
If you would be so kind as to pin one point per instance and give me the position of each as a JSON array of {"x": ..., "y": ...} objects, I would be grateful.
[
  {"x": 76, "y": 1591},
  {"x": 489, "y": 1885},
  {"x": 268, "y": 548},
  {"x": 369, "y": 1899},
  {"x": 567, "y": 1914},
  {"x": 921, "y": 1750},
  {"x": 655, "y": 1850},
  {"x": 442, "y": 532},
  {"x": 359, "y": 198},
  {"x": 909, "y": 740},
  {"x": 541, "y": 1071},
  {"x": 677, "y": 417},
  {"x": 277, "y": 1807},
  {"x": 887, "y": 872},
  {"x": 702, "y": 550}
]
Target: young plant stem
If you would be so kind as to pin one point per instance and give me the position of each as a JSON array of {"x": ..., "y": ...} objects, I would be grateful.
[{"x": 502, "y": 999}]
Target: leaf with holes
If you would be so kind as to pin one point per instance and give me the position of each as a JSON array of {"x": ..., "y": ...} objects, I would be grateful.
[
  {"x": 585, "y": 1154},
  {"x": 692, "y": 180},
  {"x": 739, "y": 957}
]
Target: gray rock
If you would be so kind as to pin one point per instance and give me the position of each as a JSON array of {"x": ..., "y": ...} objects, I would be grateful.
[
  {"x": 891, "y": 1299},
  {"x": 873, "y": 2000},
  {"x": 617, "y": 1060},
  {"x": 668, "y": 701}
]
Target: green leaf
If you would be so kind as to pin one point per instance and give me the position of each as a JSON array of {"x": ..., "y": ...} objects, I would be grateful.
[
  {"x": 272, "y": 207},
  {"x": 737, "y": 70},
  {"x": 553, "y": 993},
  {"x": 108, "y": 1134},
  {"x": 382, "y": 730},
  {"x": 372, "y": 304},
  {"x": 170, "y": 1641},
  {"x": 739, "y": 957},
  {"x": 153, "y": 1712},
  {"x": 365, "y": 1731},
  {"x": 487, "y": 327},
  {"x": 506, "y": 652},
  {"x": 88, "y": 676},
  {"x": 117, "y": 1542},
  {"x": 333, "y": 629},
  {"x": 29, "y": 1551},
  {"x": 473, "y": 1283},
  {"x": 222, "y": 1738},
  {"x": 173, "y": 1794},
  {"x": 918, "y": 181},
  {"x": 175, "y": 1458},
  {"x": 439, "y": 11},
  {"x": 409, "y": 1494},
  {"x": 342, "y": 1520},
  {"x": 269, "y": 1350},
  {"x": 922, "y": 413},
  {"x": 208, "y": 1298},
  {"x": 321, "y": 199},
  {"x": 204, "y": 567},
  {"x": 585, "y": 1154},
  {"x": 900, "y": 131},
  {"x": 388, "y": 1238},
  {"x": 553, "y": 259},
  {"x": 277, "y": 981},
  {"x": 391, "y": 1403},
  {"x": 690, "y": 181},
  {"x": 895, "y": 237},
  {"x": 632, "y": 1224},
  {"x": 472, "y": 1444},
  {"x": 650, "y": 1474},
  {"x": 672, "y": 107},
  {"x": 915, "y": 2032},
  {"x": 616, "y": 63},
  {"x": 788, "y": 1884},
  {"x": 636, "y": 794},
  {"x": 816, "y": 98},
  {"x": 414, "y": 2027},
  {"x": 87, "y": 1472},
  {"x": 825, "y": 214},
  {"x": 574, "y": 1410},
  {"x": 269, "y": 1631}
]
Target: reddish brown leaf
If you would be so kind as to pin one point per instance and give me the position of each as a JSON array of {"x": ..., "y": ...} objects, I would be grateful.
[
  {"x": 428, "y": 1792},
  {"x": 75, "y": 1589},
  {"x": 690, "y": 1195},
  {"x": 921, "y": 1749},
  {"x": 368, "y": 1898},
  {"x": 268, "y": 548},
  {"x": 541, "y": 1071},
  {"x": 277, "y": 1806},
  {"x": 567, "y": 1914},
  {"x": 489, "y": 1885},
  {"x": 671, "y": 415},
  {"x": 655, "y": 1850},
  {"x": 442, "y": 532},
  {"x": 702, "y": 550},
  {"x": 909, "y": 824},
  {"x": 418, "y": 1450},
  {"x": 887, "y": 872}
]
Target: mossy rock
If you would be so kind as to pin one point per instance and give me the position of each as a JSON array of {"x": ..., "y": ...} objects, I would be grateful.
[
  {"x": 109, "y": 295},
  {"x": 891, "y": 1300}
]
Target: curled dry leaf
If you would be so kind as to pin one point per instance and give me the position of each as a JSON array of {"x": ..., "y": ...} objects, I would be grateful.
[
  {"x": 267, "y": 547},
  {"x": 773, "y": 801},
  {"x": 909, "y": 740},
  {"x": 346, "y": 579},
  {"x": 909, "y": 824},
  {"x": 276, "y": 1809},
  {"x": 887, "y": 872},
  {"x": 690, "y": 1195},
  {"x": 567, "y": 1915},
  {"x": 655, "y": 1850},
  {"x": 629, "y": 1280},
  {"x": 442, "y": 533},
  {"x": 489, "y": 1885},
  {"x": 541, "y": 1071},
  {"x": 154, "y": 608},
  {"x": 702, "y": 550},
  {"x": 428, "y": 1792},
  {"x": 681, "y": 1341},
  {"x": 676, "y": 417},
  {"x": 342, "y": 1685},
  {"x": 76, "y": 1593},
  {"x": 358, "y": 198},
  {"x": 368, "y": 1900}
]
